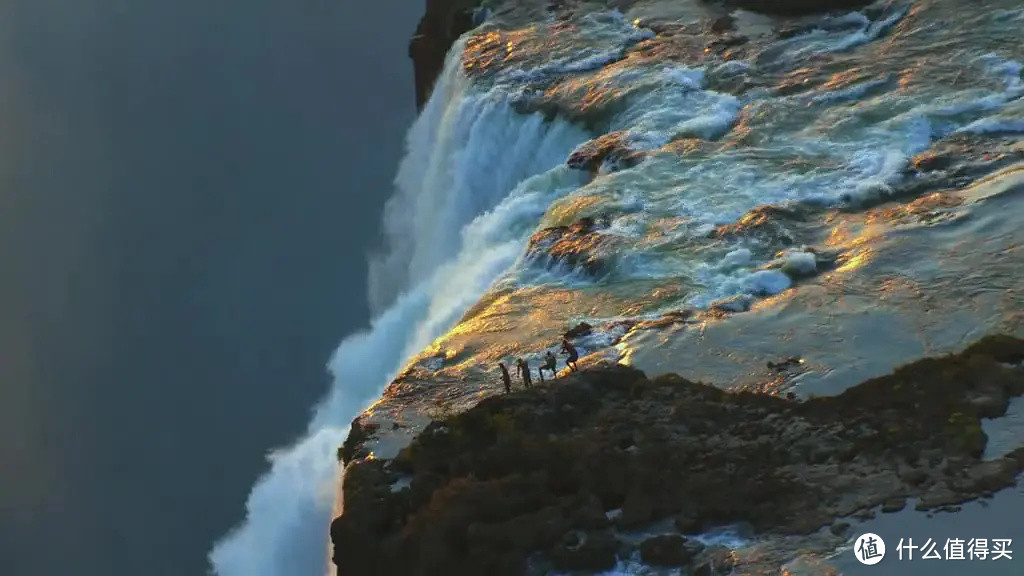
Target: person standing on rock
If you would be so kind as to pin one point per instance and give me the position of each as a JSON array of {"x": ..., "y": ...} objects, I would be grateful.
[
  {"x": 505, "y": 377},
  {"x": 573, "y": 355},
  {"x": 523, "y": 370},
  {"x": 549, "y": 364}
]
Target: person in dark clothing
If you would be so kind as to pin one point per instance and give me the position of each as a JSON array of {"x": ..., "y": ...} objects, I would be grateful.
[
  {"x": 549, "y": 364},
  {"x": 523, "y": 370},
  {"x": 573, "y": 355},
  {"x": 505, "y": 377}
]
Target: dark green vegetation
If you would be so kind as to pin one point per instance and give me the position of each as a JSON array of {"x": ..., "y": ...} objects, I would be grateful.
[{"x": 523, "y": 482}]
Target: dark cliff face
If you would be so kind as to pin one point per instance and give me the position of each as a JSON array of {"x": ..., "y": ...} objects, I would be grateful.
[
  {"x": 548, "y": 478},
  {"x": 441, "y": 25}
]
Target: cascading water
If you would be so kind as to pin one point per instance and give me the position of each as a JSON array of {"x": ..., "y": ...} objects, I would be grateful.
[
  {"x": 476, "y": 178},
  {"x": 731, "y": 175}
]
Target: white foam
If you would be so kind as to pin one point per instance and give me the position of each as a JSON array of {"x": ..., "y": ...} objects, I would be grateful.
[
  {"x": 877, "y": 171},
  {"x": 629, "y": 225},
  {"x": 600, "y": 337},
  {"x": 736, "y": 259},
  {"x": 766, "y": 282},
  {"x": 832, "y": 35},
  {"x": 946, "y": 113},
  {"x": 586, "y": 61},
  {"x": 798, "y": 264},
  {"x": 690, "y": 78},
  {"x": 391, "y": 272},
  {"x": 466, "y": 151},
  {"x": 669, "y": 103}
]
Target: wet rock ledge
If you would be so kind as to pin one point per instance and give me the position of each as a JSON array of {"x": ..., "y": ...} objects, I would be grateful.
[{"x": 553, "y": 477}]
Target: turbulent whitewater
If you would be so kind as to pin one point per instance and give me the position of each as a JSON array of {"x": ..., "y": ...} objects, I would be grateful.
[{"x": 706, "y": 198}]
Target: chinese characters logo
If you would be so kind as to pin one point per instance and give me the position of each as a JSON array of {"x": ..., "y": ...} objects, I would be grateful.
[{"x": 869, "y": 548}]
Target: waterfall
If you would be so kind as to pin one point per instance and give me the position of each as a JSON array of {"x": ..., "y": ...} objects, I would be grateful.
[{"x": 476, "y": 178}]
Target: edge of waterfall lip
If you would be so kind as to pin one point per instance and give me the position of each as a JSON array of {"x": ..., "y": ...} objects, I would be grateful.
[{"x": 334, "y": 414}]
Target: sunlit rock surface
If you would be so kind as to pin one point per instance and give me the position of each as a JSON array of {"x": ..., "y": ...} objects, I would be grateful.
[{"x": 785, "y": 205}]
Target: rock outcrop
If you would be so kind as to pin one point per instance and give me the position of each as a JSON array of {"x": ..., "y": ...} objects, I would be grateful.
[
  {"x": 611, "y": 150},
  {"x": 580, "y": 246},
  {"x": 551, "y": 477},
  {"x": 770, "y": 225}
]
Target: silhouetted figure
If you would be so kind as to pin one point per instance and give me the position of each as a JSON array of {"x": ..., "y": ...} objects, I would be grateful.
[
  {"x": 549, "y": 364},
  {"x": 569, "y": 349},
  {"x": 523, "y": 370},
  {"x": 506, "y": 378}
]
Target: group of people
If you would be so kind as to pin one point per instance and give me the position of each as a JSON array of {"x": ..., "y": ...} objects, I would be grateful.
[{"x": 550, "y": 364}]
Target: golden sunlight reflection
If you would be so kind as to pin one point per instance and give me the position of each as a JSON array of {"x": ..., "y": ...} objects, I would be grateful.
[
  {"x": 845, "y": 78},
  {"x": 855, "y": 260},
  {"x": 572, "y": 208},
  {"x": 625, "y": 354},
  {"x": 529, "y": 321}
]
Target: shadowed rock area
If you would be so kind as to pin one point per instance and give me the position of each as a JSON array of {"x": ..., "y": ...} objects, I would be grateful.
[
  {"x": 524, "y": 483},
  {"x": 442, "y": 24}
]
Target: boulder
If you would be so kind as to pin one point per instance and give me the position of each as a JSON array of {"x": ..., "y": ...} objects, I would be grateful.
[
  {"x": 774, "y": 226},
  {"x": 580, "y": 330},
  {"x": 666, "y": 550},
  {"x": 798, "y": 264},
  {"x": 611, "y": 150},
  {"x": 580, "y": 246}
]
